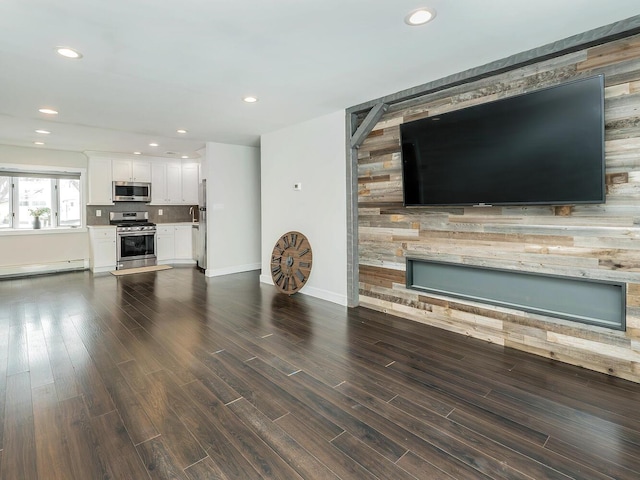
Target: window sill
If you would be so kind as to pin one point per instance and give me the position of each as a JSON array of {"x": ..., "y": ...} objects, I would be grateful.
[{"x": 41, "y": 231}]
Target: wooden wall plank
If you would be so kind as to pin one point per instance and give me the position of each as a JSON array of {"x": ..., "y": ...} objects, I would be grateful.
[{"x": 588, "y": 241}]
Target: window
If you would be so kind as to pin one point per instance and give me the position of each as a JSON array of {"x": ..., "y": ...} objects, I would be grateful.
[
  {"x": 5, "y": 202},
  {"x": 53, "y": 198}
]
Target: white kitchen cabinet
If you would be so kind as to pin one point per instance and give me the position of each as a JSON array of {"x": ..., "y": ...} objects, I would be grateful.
[
  {"x": 195, "y": 241},
  {"x": 190, "y": 180},
  {"x": 174, "y": 183},
  {"x": 129, "y": 170},
  {"x": 174, "y": 243},
  {"x": 102, "y": 241},
  {"x": 166, "y": 183},
  {"x": 99, "y": 180},
  {"x": 165, "y": 243},
  {"x": 159, "y": 183},
  {"x": 183, "y": 245}
]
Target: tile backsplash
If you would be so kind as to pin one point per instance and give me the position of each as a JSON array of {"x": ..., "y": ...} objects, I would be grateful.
[{"x": 170, "y": 213}]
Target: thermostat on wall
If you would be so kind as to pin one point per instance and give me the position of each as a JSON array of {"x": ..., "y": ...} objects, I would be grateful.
[{"x": 297, "y": 186}]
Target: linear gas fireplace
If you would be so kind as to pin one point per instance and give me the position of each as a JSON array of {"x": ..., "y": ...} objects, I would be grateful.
[{"x": 593, "y": 302}]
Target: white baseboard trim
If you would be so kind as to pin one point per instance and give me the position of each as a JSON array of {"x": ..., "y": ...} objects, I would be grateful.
[
  {"x": 218, "y": 272},
  {"x": 103, "y": 269},
  {"x": 325, "y": 295},
  {"x": 314, "y": 292},
  {"x": 179, "y": 261},
  {"x": 49, "y": 267}
]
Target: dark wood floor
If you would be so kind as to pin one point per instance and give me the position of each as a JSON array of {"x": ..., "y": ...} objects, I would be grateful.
[{"x": 173, "y": 375}]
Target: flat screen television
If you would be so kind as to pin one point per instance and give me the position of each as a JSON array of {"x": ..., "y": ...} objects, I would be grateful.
[{"x": 543, "y": 147}]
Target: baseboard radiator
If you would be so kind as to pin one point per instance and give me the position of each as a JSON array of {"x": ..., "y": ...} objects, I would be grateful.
[{"x": 41, "y": 268}]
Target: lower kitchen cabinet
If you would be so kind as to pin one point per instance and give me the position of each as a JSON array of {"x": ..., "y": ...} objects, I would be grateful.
[
  {"x": 102, "y": 242},
  {"x": 183, "y": 244},
  {"x": 174, "y": 243},
  {"x": 195, "y": 241}
]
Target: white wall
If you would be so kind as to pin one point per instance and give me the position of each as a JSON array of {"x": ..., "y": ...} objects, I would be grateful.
[
  {"x": 43, "y": 251},
  {"x": 233, "y": 208},
  {"x": 311, "y": 153},
  {"x": 41, "y": 156}
]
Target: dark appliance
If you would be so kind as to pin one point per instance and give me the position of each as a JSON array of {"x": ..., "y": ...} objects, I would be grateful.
[
  {"x": 131, "y": 192},
  {"x": 543, "y": 147},
  {"x": 135, "y": 239}
]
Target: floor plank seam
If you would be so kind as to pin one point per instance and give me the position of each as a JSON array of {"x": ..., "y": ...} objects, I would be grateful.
[
  {"x": 401, "y": 457},
  {"x": 233, "y": 401},
  {"x": 337, "y": 436},
  {"x": 195, "y": 463},
  {"x": 147, "y": 440},
  {"x": 281, "y": 416}
]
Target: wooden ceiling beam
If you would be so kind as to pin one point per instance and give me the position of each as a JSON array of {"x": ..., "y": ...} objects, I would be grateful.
[{"x": 367, "y": 124}]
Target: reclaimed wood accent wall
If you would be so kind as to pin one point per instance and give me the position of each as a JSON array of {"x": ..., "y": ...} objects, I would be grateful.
[{"x": 588, "y": 241}]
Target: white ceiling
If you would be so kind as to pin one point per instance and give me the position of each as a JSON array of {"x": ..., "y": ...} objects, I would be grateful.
[{"x": 153, "y": 66}]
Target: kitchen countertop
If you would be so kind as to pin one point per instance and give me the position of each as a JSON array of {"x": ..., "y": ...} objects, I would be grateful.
[
  {"x": 177, "y": 223},
  {"x": 194, "y": 224}
]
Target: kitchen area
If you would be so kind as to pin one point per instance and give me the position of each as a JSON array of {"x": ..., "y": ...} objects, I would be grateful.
[
  {"x": 145, "y": 212},
  {"x": 233, "y": 212}
]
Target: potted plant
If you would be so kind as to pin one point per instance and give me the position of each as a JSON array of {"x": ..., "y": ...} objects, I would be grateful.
[{"x": 37, "y": 213}]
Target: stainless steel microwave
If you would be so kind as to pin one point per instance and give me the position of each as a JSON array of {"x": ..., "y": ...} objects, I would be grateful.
[{"x": 131, "y": 192}]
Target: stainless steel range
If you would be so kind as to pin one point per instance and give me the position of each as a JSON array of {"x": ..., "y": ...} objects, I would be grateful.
[{"x": 135, "y": 239}]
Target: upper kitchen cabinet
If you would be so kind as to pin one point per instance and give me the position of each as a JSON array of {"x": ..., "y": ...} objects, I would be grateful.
[
  {"x": 99, "y": 181},
  {"x": 190, "y": 182},
  {"x": 162, "y": 174},
  {"x": 129, "y": 170},
  {"x": 174, "y": 183}
]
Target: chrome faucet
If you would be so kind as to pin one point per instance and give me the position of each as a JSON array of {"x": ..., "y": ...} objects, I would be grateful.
[{"x": 193, "y": 217}]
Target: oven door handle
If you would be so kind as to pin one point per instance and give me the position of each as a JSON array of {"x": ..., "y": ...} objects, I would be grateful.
[{"x": 135, "y": 234}]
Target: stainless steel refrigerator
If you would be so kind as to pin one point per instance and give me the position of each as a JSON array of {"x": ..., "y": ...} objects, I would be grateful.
[{"x": 201, "y": 255}]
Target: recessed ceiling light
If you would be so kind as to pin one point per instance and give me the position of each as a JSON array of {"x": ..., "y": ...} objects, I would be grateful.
[
  {"x": 181, "y": 131},
  {"x": 153, "y": 144},
  {"x": 137, "y": 153},
  {"x": 68, "y": 52},
  {"x": 48, "y": 111},
  {"x": 43, "y": 132},
  {"x": 184, "y": 156},
  {"x": 419, "y": 17},
  {"x": 38, "y": 143},
  {"x": 250, "y": 99}
]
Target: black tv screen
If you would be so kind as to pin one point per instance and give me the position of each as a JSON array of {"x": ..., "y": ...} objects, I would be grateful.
[{"x": 543, "y": 147}]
